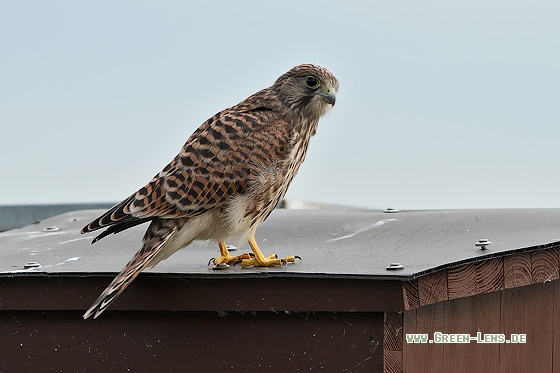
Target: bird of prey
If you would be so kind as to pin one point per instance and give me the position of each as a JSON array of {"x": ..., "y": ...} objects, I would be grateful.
[{"x": 227, "y": 178}]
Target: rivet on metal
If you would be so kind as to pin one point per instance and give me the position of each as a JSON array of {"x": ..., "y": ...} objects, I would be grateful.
[
  {"x": 31, "y": 265},
  {"x": 394, "y": 266},
  {"x": 51, "y": 229},
  {"x": 391, "y": 210},
  {"x": 482, "y": 243}
]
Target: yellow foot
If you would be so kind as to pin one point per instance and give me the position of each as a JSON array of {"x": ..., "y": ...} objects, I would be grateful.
[
  {"x": 225, "y": 259},
  {"x": 255, "y": 259},
  {"x": 271, "y": 261},
  {"x": 259, "y": 260}
]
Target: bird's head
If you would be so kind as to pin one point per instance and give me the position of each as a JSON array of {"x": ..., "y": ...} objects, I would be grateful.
[{"x": 308, "y": 90}]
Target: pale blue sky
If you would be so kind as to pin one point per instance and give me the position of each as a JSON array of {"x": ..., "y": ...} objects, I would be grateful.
[{"x": 442, "y": 104}]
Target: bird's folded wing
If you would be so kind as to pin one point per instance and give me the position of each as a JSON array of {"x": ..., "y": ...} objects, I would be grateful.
[{"x": 214, "y": 165}]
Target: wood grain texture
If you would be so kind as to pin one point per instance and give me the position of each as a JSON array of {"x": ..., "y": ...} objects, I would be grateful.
[
  {"x": 392, "y": 361},
  {"x": 432, "y": 288},
  {"x": 488, "y": 311},
  {"x": 517, "y": 270},
  {"x": 410, "y": 351},
  {"x": 556, "y": 326},
  {"x": 457, "y": 357},
  {"x": 392, "y": 342},
  {"x": 486, "y": 276},
  {"x": 475, "y": 278},
  {"x": 410, "y": 294},
  {"x": 528, "y": 310},
  {"x": 462, "y": 281},
  {"x": 531, "y": 310},
  {"x": 544, "y": 265},
  {"x": 490, "y": 275},
  {"x": 470, "y": 315},
  {"x": 409, "y": 322},
  {"x": 392, "y": 330},
  {"x": 424, "y": 357}
]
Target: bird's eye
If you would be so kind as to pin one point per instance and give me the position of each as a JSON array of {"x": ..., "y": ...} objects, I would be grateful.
[{"x": 312, "y": 82}]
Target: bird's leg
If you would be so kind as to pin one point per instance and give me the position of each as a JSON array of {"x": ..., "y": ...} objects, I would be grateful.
[
  {"x": 259, "y": 260},
  {"x": 226, "y": 258}
]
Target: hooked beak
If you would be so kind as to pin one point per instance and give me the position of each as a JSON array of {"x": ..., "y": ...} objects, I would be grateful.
[{"x": 329, "y": 95}]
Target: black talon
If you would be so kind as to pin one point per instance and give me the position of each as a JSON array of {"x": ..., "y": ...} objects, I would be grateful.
[
  {"x": 298, "y": 257},
  {"x": 210, "y": 261}
]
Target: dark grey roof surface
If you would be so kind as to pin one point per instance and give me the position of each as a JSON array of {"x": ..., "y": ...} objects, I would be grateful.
[
  {"x": 331, "y": 243},
  {"x": 17, "y": 216}
]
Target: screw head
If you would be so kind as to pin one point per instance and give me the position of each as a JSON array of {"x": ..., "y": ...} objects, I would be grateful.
[
  {"x": 391, "y": 210},
  {"x": 482, "y": 243},
  {"x": 51, "y": 229},
  {"x": 395, "y": 266}
]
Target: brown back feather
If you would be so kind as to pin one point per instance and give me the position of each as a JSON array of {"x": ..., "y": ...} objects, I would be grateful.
[{"x": 213, "y": 165}]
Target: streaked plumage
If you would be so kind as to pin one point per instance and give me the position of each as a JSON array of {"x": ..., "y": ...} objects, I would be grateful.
[{"x": 228, "y": 177}]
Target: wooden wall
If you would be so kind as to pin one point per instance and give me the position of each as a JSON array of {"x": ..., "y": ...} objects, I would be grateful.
[
  {"x": 532, "y": 310},
  {"x": 159, "y": 341},
  {"x": 164, "y": 323}
]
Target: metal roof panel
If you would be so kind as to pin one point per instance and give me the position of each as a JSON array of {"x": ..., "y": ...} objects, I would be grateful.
[{"x": 331, "y": 243}]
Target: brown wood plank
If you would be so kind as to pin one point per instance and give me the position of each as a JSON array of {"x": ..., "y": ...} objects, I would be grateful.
[
  {"x": 154, "y": 292},
  {"x": 556, "y": 326},
  {"x": 532, "y": 310},
  {"x": 409, "y": 323},
  {"x": 469, "y": 315},
  {"x": 410, "y": 294},
  {"x": 423, "y": 357},
  {"x": 539, "y": 316},
  {"x": 490, "y": 275},
  {"x": 392, "y": 342},
  {"x": 409, "y": 350},
  {"x": 392, "y": 361},
  {"x": 544, "y": 265},
  {"x": 488, "y": 315},
  {"x": 432, "y": 288},
  {"x": 459, "y": 315},
  {"x": 122, "y": 341},
  {"x": 393, "y": 331},
  {"x": 528, "y": 310},
  {"x": 475, "y": 278},
  {"x": 517, "y": 270},
  {"x": 513, "y": 321},
  {"x": 461, "y": 281}
]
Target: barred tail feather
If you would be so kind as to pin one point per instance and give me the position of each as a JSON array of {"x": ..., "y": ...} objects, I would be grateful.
[
  {"x": 114, "y": 215},
  {"x": 157, "y": 236}
]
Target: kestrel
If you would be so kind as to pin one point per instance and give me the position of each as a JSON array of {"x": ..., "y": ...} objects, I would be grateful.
[{"x": 227, "y": 178}]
